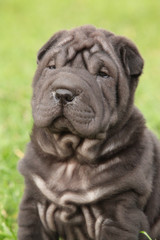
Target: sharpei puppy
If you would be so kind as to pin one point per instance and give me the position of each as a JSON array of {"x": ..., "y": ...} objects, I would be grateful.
[{"x": 92, "y": 168}]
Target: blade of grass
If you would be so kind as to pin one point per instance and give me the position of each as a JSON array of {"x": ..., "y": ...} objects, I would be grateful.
[{"x": 143, "y": 232}]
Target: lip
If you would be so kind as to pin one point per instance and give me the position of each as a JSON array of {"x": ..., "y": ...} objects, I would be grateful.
[{"x": 62, "y": 124}]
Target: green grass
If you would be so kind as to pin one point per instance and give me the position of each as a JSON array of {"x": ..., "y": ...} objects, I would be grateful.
[
  {"x": 25, "y": 26},
  {"x": 144, "y": 233}
]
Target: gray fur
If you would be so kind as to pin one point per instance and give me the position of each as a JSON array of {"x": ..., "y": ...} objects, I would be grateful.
[{"x": 92, "y": 168}]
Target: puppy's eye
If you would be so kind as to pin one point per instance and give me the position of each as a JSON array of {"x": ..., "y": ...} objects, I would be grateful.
[
  {"x": 103, "y": 74},
  {"x": 51, "y": 67}
]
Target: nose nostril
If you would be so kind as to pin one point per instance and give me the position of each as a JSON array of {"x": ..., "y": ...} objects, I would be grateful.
[
  {"x": 64, "y": 95},
  {"x": 69, "y": 98}
]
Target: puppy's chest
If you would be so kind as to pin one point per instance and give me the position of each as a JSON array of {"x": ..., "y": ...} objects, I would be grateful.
[
  {"x": 70, "y": 207},
  {"x": 70, "y": 176}
]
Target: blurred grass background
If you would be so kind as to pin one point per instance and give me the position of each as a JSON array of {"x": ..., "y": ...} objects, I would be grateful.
[{"x": 24, "y": 27}]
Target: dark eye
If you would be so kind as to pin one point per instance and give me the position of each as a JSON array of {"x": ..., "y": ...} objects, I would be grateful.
[
  {"x": 103, "y": 74},
  {"x": 51, "y": 67}
]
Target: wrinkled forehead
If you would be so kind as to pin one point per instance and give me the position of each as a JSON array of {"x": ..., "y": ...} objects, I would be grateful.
[{"x": 83, "y": 45}]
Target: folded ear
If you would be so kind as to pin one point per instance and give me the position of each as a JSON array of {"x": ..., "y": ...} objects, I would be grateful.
[
  {"x": 52, "y": 41},
  {"x": 129, "y": 56}
]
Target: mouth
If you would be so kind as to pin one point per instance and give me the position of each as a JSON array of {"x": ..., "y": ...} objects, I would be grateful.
[{"x": 62, "y": 125}]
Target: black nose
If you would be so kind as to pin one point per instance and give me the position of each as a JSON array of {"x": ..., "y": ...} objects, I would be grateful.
[{"x": 64, "y": 95}]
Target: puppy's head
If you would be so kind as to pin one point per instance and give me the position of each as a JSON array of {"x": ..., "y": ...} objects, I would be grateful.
[{"x": 85, "y": 82}]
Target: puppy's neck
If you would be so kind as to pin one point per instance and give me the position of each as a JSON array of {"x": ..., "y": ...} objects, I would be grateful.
[
  {"x": 65, "y": 146},
  {"x": 122, "y": 138}
]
